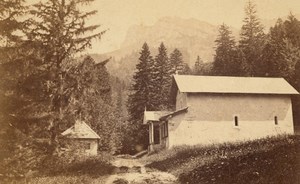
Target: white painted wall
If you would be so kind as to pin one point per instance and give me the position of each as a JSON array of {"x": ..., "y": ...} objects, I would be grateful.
[
  {"x": 94, "y": 147},
  {"x": 181, "y": 100},
  {"x": 210, "y": 118},
  {"x": 79, "y": 146}
]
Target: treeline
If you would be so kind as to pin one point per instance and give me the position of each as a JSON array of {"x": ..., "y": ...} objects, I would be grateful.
[{"x": 255, "y": 54}]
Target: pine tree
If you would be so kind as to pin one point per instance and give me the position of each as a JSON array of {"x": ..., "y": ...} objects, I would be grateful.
[
  {"x": 139, "y": 99},
  {"x": 160, "y": 79},
  {"x": 252, "y": 39},
  {"x": 292, "y": 54},
  {"x": 226, "y": 61},
  {"x": 281, "y": 52},
  {"x": 176, "y": 62},
  {"x": 273, "y": 62},
  {"x": 198, "y": 67},
  {"x": 292, "y": 28},
  {"x": 59, "y": 31}
]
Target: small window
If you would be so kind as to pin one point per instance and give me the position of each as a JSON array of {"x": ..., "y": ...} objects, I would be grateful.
[
  {"x": 87, "y": 146},
  {"x": 236, "y": 121},
  {"x": 276, "y": 120}
]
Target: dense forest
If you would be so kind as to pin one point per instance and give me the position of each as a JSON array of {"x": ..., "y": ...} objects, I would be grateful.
[{"x": 45, "y": 86}]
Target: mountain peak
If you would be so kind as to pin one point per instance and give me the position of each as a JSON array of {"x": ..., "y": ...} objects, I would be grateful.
[{"x": 195, "y": 36}]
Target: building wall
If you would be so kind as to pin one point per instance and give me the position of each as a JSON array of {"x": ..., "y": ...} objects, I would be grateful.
[
  {"x": 210, "y": 118},
  {"x": 84, "y": 146},
  {"x": 181, "y": 100},
  {"x": 93, "y": 148}
]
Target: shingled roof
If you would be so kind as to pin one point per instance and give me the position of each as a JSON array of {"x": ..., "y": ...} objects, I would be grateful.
[
  {"x": 247, "y": 85},
  {"x": 80, "y": 130}
]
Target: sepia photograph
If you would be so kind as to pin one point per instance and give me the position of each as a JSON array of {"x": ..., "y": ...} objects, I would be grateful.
[{"x": 149, "y": 91}]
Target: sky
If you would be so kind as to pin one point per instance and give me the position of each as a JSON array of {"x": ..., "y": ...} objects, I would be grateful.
[{"x": 116, "y": 16}]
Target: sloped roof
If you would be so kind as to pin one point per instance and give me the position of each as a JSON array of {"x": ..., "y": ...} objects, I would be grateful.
[
  {"x": 248, "y": 85},
  {"x": 80, "y": 130},
  {"x": 153, "y": 115},
  {"x": 174, "y": 113},
  {"x": 161, "y": 115}
]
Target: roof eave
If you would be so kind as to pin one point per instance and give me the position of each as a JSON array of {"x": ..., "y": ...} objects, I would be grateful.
[{"x": 172, "y": 114}]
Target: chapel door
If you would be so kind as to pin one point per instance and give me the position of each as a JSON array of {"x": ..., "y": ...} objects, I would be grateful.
[{"x": 156, "y": 134}]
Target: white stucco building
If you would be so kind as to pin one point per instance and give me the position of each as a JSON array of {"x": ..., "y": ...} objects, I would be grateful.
[
  {"x": 212, "y": 109},
  {"x": 82, "y": 138}
]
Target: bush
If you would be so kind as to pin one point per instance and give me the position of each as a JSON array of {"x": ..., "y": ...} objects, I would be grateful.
[{"x": 68, "y": 164}]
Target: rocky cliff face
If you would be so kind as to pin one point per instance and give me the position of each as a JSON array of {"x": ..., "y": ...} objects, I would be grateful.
[
  {"x": 191, "y": 36},
  {"x": 197, "y": 37}
]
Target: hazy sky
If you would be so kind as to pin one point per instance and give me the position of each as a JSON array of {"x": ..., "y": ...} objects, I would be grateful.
[{"x": 119, "y": 15}]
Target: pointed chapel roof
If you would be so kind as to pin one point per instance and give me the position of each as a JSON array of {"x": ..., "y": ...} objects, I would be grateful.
[{"x": 80, "y": 130}]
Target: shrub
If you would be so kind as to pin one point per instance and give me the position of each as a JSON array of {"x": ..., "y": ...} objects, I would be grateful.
[{"x": 68, "y": 164}]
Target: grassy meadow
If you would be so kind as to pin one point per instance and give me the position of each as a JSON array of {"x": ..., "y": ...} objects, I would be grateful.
[{"x": 269, "y": 160}]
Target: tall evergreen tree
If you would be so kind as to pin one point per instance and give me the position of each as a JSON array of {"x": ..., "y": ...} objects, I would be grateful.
[
  {"x": 280, "y": 54},
  {"x": 252, "y": 39},
  {"x": 274, "y": 62},
  {"x": 139, "y": 100},
  {"x": 176, "y": 62},
  {"x": 198, "y": 67},
  {"x": 292, "y": 30},
  {"x": 226, "y": 61},
  {"x": 292, "y": 25},
  {"x": 160, "y": 76},
  {"x": 59, "y": 30}
]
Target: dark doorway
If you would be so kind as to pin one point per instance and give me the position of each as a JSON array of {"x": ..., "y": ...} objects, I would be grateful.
[{"x": 156, "y": 134}]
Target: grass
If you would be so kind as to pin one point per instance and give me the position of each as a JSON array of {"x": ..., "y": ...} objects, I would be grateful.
[
  {"x": 69, "y": 169},
  {"x": 84, "y": 179},
  {"x": 269, "y": 160}
]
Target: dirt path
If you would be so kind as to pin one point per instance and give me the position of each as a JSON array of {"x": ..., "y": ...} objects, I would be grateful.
[{"x": 131, "y": 171}]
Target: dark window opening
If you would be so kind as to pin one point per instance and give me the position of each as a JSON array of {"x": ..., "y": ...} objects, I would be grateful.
[
  {"x": 236, "y": 121},
  {"x": 156, "y": 134},
  {"x": 166, "y": 129},
  {"x": 276, "y": 120},
  {"x": 87, "y": 146}
]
